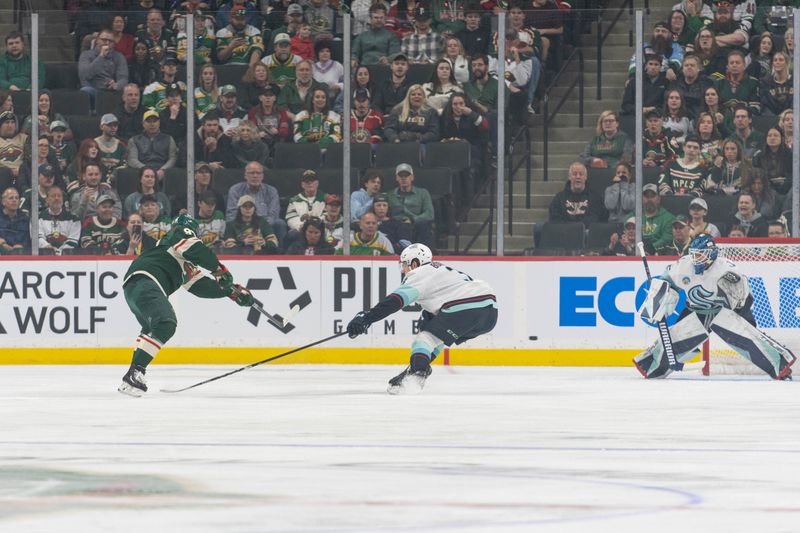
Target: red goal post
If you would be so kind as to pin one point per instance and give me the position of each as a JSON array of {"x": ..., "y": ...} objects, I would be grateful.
[{"x": 773, "y": 270}]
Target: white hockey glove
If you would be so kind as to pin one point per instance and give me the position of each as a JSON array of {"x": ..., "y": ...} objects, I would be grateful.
[
  {"x": 735, "y": 288},
  {"x": 660, "y": 302}
]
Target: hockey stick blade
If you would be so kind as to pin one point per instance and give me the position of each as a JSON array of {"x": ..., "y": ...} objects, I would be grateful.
[
  {"x": 291, "y": 314},
  {"x": 663, "y": 330},
  {"x": 267, "y": 360}
]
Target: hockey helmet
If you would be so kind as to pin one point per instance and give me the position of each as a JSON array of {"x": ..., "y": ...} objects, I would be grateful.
[
  {"x": 704, "y": 252},
  {"x": 417, "y": 251},
  {"x": 187, "y": 222}
]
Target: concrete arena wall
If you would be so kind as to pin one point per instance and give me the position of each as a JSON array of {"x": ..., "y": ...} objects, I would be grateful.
[{"x": 553, "y": 311}]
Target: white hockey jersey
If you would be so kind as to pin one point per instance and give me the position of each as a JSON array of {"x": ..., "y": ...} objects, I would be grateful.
[
  {"x": 703, "y": 294},
  {"x": 435, "y": 286}
]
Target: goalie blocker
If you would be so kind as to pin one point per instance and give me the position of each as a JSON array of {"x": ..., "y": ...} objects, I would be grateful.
[{"x": 717, "y": 300}]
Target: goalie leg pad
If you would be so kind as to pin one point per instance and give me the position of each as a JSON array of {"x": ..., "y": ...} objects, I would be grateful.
[
  {"x": 687, "y": 334},
  {"x": 752, "y": 344}
]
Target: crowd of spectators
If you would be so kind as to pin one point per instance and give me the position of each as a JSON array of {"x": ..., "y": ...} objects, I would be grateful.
[
  {"x": 717, "y": 108},
  {"x": 291, "y": 92}
]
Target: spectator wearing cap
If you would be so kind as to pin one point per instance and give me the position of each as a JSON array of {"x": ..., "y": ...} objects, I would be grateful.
[
  {"x": 332, "y": 218},
  {"x": 146, "y": 186},
  {"x": 732, "y": 23},
  {"x": 423, "y": 45},
  {"x": 101, "y": 231},
  {"x": 248, "y": 231},
  {"x": 160, "y": 41},
  {"x": 366, "y": 124},
  {"x": 312, "y": 239},
  {"x": 367, "y": 240},
  {"x": 62, "y": 149},
  {"x": 327, "y": 71},
  {"x": 679, "y": 245},
  {"x": 152, "y": 148},
  {"x": 317, "y": 123},
  {"x": 225, "y": 13},
  {"x": 669, "y": 53},
  {"x": 293, "y": 16},
  {"x": 687, "y": 174},
  {"x": 47, "y": 179},
  {"x": 391, "y": 91},
  {"x": 620, "y": 197},
  {"x": 623, "y": 243},
  {"x": 83, "y": 199},
  {"x": 475, "y": 36},
  {"x": 272, "y": 123},
  {"x": 747, "y": 217},
  {"x": 577, "y": 203},
  {"x": 657, "y": 228},
  {"x": 228, "y": 111},
  {"x": 130, "y": 112},
  {"x": 203, "y": 183},
  {"x": 247, "y": 146},
  {"x": 310, "y": 202},
  {"x": 173, "y": 116},
  {"x": 102, "y": 68},
  {"x": 12, "y": 143},
  {"x": 239, "y": 43},
  {"x": 412, "y": 205},
  {"x": 296, "y": 96},
  {"x": 155, "y": 94},
  {"x": 698, "y": 225},
  {"x": 15, "y": 65},
  {"x": 376, "y": 45},
  {"x": 59, "y": 229},
  {"x": 154, "y": 222},
  {"x": 265, "y": 197},
  {"x": 413, "y": 119},
  {"x": 658, "y": 149},
  {"x": 210, "y": 220},
  {"x": 15, "y": 236},
  {"x": 282, "y": 62},
  {"x": 654, "y": 84},
  {"x": 47, "y": 114},
  {"x": 113, "y": 151},
  {"x": 211, "y": 144},
  {"x": 399, "y": 234},
  {"x": 361, "y": 200}
]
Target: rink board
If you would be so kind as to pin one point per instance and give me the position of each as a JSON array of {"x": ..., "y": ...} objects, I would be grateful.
[{"x": 574, "y": 312}]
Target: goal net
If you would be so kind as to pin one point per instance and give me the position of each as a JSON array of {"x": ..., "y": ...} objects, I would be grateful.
[{"x": 772, "y": 267}]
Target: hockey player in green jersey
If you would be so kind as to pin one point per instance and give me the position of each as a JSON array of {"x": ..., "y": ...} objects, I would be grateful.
[{"x": 155, "y": 275}]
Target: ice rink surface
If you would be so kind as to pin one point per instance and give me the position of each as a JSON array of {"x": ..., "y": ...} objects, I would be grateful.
[{"x": 324, "y": 448}]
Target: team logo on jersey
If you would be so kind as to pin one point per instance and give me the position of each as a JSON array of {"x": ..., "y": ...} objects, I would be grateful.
[{"x": 685, "y": 280}]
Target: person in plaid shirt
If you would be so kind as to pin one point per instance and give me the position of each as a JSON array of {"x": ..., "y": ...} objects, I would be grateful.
[{"x": 424, "y": 45}]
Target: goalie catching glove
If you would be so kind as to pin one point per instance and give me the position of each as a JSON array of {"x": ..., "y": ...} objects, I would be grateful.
[
  {"x": 660, "y": 302},
  {"x": 241, "y": 296},
  {"x": 358, "y": 326},
  {"x": 734, "y": 288}
]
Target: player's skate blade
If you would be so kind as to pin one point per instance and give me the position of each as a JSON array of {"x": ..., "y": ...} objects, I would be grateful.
[
  {"x": 133, "y": 382},
  {"x": 408, "y": 381}
]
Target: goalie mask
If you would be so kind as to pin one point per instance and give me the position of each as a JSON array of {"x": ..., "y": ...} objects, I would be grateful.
[
  {"x": 704, "y": 252},
  {"x": 417, "y": 251}
]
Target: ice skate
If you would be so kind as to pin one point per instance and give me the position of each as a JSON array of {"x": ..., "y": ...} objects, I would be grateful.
[
  {"x": 412, "y": 379},
  {"x": 133, "y": 382}
]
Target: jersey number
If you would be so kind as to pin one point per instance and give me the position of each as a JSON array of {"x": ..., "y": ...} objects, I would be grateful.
[{"x": 466, "y": 277}]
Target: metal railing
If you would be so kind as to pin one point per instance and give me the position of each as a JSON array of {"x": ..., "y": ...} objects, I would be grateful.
[
  {"x": 576, "y": 54},
  {"x": 602, "y": 36}
]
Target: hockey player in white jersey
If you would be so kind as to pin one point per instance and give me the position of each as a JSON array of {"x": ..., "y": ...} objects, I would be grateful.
[
  {"x": 456, "y": 308},
  {"x": 718, "y": 300}
]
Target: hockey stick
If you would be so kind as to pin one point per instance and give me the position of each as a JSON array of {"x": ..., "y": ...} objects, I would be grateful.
[
  {"x": 274, "y": 357},
  {"x": 663, "y": 330},
  {"x": 276, "y": 320}
]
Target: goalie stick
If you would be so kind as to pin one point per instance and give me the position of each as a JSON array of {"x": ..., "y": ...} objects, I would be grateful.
[
  {"x": 663, "y": 330},
  {"x": 267, "y": 360}
]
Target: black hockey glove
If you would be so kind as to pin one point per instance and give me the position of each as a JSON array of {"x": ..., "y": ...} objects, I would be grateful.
[
  {"x": 358, "y": 326},
  {"x": 241, "y": 296}
]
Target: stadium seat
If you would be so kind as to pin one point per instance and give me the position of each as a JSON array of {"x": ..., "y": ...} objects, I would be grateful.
[
  {"x": 230, "y": 74},
  {"x": 392, "y": 154},
  {"x": 22, "y": 103},
  {"x": 599, "y": 179},
  {"x": 764, "y": 122},
  {"x": 224, "y": 178},
  {"x": 61, "y": 76},
  {"x": 677, "y": 204},
  {"x": 330, "y": 180},
  {"x": 378, "y": 73},
  {"x": 286, "y": 180},
  {"x": 6, "y": 179},
  {"x": 126, "y": 181},
  {"x": 627, "y": 123},
  {"x": 360, "y": 156},
  {"x": 175, "y": 186},
  {"x": 73, "y": 100},
  {"x": 83, "y": 127},
  {"x": 720, "y": 207},
  {"x": 651, "y": 174},
  {"x": 107, "y": 101},
  {"x": 337, "y": 50},
  {"x": 420, "y": 73},
  {"x": 600, "y": 235},
  {"x": 568, "y": 236},
  {"x": 451, "y": 154},
  {"x": 306, "y": 155}
]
